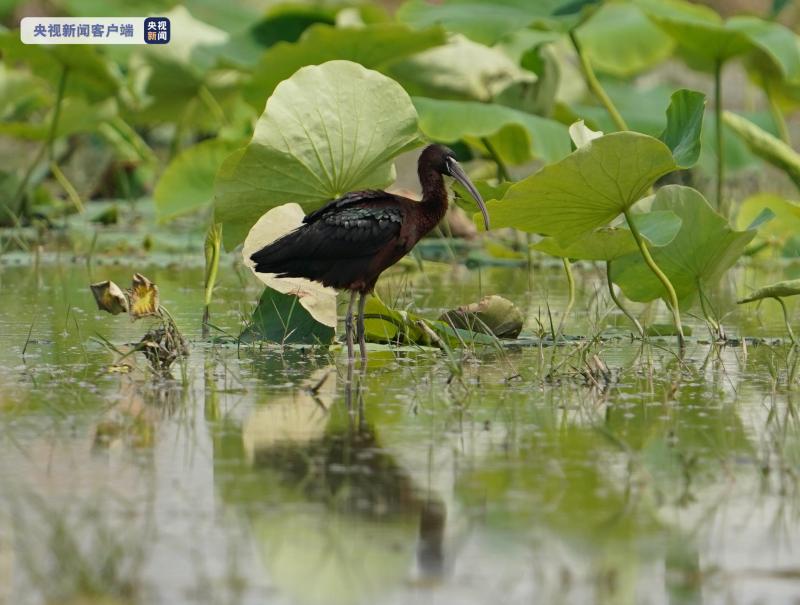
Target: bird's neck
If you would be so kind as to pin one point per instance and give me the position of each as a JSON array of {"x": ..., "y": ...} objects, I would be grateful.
[{"x": 434, "y": 197}]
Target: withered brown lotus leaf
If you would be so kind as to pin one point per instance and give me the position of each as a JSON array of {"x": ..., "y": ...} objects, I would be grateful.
[
  {"x": 143, "y": 297},
  {"x": 110, "y": 297}
]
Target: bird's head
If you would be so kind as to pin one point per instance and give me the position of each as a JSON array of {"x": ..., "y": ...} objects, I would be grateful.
[{"x": 443, "y": 160}]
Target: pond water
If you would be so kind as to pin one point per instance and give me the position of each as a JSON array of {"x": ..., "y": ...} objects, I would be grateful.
[{"x": 514, "y": 476}]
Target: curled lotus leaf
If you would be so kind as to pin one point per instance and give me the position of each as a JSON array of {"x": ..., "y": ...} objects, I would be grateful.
[
  {"x": 781, "y": 289},
  {"x": 143, "y": 297},
  {"x": 110, "y": 297},
  {"x": 492, "y": 314}
]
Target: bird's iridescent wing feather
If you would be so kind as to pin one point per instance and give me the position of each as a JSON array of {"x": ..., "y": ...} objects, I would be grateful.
[
  {"x": 348, "y": 199},
  {"x": 338, "y": 241}
]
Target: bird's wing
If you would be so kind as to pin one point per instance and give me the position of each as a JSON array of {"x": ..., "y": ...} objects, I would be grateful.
[
  {"x": 346, "y": 234},
  {"x": 355, "y": 231},
  {"x": 348, "y": 199}
]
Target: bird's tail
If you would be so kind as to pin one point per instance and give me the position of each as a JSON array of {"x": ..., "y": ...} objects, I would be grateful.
[{"x": 290, "y": 256}]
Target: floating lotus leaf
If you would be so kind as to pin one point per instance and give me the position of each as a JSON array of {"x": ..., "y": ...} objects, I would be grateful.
[
  {"x": 110, "y": 297},
  {"x": 327, "y": 130},
  {"x": 781, "y": 289}
]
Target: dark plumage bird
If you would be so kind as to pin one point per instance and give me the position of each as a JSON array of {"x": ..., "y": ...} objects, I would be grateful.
[{"x": 349, "y": 242}]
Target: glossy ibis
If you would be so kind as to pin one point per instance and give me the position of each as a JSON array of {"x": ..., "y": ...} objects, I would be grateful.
[{"x": 349, "y": 242}]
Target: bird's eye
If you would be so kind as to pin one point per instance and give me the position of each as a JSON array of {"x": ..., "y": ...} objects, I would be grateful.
[{"x": 448, "y": 162}]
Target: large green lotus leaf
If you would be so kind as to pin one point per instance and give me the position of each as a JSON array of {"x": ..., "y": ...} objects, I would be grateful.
[
  {"x": 484, "y": 21},
  {"x": 765, "y": 145},
  {"x": 696, "y": 29},
  {"x": 620, "y": 40},
  {"x": 460, "y": 69},
  {"x": 781, "y": 289},
  {"x": 489, "y": 21},
  {"x": 327, "y": 130},
  {"x": 659, "y": 228},
  {"x": 703, "y": 33},
  {"x": 517, "y": 136},
  {"x": 187, "y": 183},
  {"x": 585, "y": 190},
  {"x": 89, "y": 74},
  {"x": 705, "y": 247},
  {"x": 778, "y": 43},
  {"x": 372, "y": 46},
  {"x": 684, "y": 126}
]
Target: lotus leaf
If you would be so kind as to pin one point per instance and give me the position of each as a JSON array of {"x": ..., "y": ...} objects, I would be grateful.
[
  {"x": 327, "y": 130},
  {"x": 705, "y": 247},
  {"x": 187, "y": 183},
  {"x": 372, "y": 46},
  {"x": 516, "y": 136}
]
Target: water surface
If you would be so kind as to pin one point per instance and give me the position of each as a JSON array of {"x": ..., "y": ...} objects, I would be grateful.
[{"x": 517, "y": 476}]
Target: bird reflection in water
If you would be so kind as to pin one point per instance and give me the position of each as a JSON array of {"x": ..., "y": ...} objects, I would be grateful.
[{"x": 351, "y": 513}]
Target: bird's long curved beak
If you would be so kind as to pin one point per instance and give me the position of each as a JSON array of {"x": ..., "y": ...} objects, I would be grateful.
[{"x": 458, "y": 174}]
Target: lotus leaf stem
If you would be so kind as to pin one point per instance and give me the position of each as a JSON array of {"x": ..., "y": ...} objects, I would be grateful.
[
  {"x": 212, "y": 252},
  {"x": 594, "y": 84},
  {"x": 571, "y": 295},
  {"x": 648, "y": 259},
  {"x": 502, "y": 171},
  {"x": 786, "y": 321},
  {"x": 47, "y": 146},
  {"x": 721, "y": 206},
  {"x": 716, "y": 327},
  {"x": 776, "y": 113},
  {"x": 619, "y": 304}
]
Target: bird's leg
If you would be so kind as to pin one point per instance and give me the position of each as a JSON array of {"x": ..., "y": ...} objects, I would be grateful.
[
  {"x": 362, "y": 343},
  {"x": 348, "y": 328}
]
